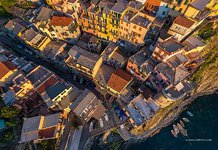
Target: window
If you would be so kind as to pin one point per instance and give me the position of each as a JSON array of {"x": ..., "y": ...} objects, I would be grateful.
[
  {"x": 162, "y": 53},
  {"x": 163, "y": 13},
  {"x": 140, "y": 29},
  {"x": 134, "y": 26},
  {"x": 180, "y": 10},
  {"x": 186, "y": 2}
]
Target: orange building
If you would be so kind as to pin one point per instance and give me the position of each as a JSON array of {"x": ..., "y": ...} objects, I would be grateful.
[
  {"x": 140, "y": 65},
  {"x": 152, "y": 5},
  {"x": 88, "y": 20}
]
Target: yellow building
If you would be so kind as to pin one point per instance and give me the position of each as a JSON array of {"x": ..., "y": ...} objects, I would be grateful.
[
  {"x": 49, "y": 2},
  {"x": 83, "y": 61},
  {"x": 21, "y": 86},
  {"x": 199, "y": 9},
  {"x": 102, "y": 18},
  {"x": 35, "y": 39},
  {"x": 135, "y": 23},
  {"x": 213, "y": 6},
  {"x": 96, "y": 20},
  {"x": 120, "y": 20},
  {"x": 7, "y": 72},
  {"x": 179, "y": 5},
  {"x": 116, "y": 13}
]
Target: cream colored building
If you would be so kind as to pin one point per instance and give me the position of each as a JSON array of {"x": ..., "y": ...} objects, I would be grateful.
[{"x": 65, "y": 28}]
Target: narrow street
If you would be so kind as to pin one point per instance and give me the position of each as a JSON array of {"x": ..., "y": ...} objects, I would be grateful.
[
  {"x": 67, "y": 76},
  {"x": 65, "y": 138},
  {"x": 28, "y": 54}
]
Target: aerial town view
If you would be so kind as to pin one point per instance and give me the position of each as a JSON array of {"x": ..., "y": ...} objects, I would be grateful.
[{"x": 108, "y": 74}]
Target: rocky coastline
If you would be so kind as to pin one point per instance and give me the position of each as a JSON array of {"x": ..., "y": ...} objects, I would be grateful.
[{"x": 174, "y": 113}]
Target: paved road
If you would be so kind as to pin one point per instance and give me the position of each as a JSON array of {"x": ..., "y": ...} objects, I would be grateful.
[
  {"x": 11, "y": 44},
  {"x": 75, "y": 139},
  {"x": 67, "y": 130}
]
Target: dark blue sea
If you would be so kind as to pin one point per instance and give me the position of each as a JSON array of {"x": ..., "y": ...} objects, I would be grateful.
[{"x": 202, "y": 129}]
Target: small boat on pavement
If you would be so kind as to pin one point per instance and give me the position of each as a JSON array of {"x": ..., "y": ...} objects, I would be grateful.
[
  {"x": 185, "y": 119},
  {"x": 182, "y": 124},
  {"x": 174, "y": 133},
  {"x": 190, "y": 114},
  {"x": 175, "y": 129},
  {"x": 182, "y": 130}
]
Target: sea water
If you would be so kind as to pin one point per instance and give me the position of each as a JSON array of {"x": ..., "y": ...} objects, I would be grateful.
[{"x": 202, "y": 129}]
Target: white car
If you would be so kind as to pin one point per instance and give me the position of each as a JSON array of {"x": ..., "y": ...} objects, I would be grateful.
[
  {"x": 91, "y": 126},
  {"x": 101, "y": 123},
  {"x": 106, "y": 117}
]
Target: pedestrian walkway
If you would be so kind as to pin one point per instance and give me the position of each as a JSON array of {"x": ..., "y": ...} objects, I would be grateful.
[{"x": 76, "y": 135}]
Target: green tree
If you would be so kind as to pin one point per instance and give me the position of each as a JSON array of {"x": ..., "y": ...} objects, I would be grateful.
[
  {"x": 11, "y": 123},
  {"x": 9, "y": 112},
  {"x": 4, "y": 7},
  {"x": 7, "y": 3},
  {"x": 46, "y": 145},
  {"x": 9, "y": 136}
]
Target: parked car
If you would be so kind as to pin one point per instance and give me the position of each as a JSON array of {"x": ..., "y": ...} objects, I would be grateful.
[
  {"x": 106, "y": 117},
  {"x": 91, "y": 126},
  {"x": 101, "y": 123}
]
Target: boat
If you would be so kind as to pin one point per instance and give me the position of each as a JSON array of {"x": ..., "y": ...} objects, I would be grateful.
[
  {"x": 185, "y": 119},
  {"x": 182, "y": 130},
  {"x": 183, "y": 125},
  {"x": 174, "y": 133},
  {"x": 190, "y": 114},
  {"x": 175, "y": 129}
]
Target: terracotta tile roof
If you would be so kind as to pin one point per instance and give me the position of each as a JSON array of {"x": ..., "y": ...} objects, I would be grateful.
[
  {"x": 5, "y": 67},
  {"x": 154, "y": 2},
  {"x": 183, "y": 21},
  {"x": 51, "y": 81},
  {"x": 61, "y": 21},
  {"x": 119, "y": 80}
]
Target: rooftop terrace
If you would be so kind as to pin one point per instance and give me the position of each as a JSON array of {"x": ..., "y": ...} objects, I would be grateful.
[
  {"x": 141, "y": 21},
  {"x": 171, "y": 45}
]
